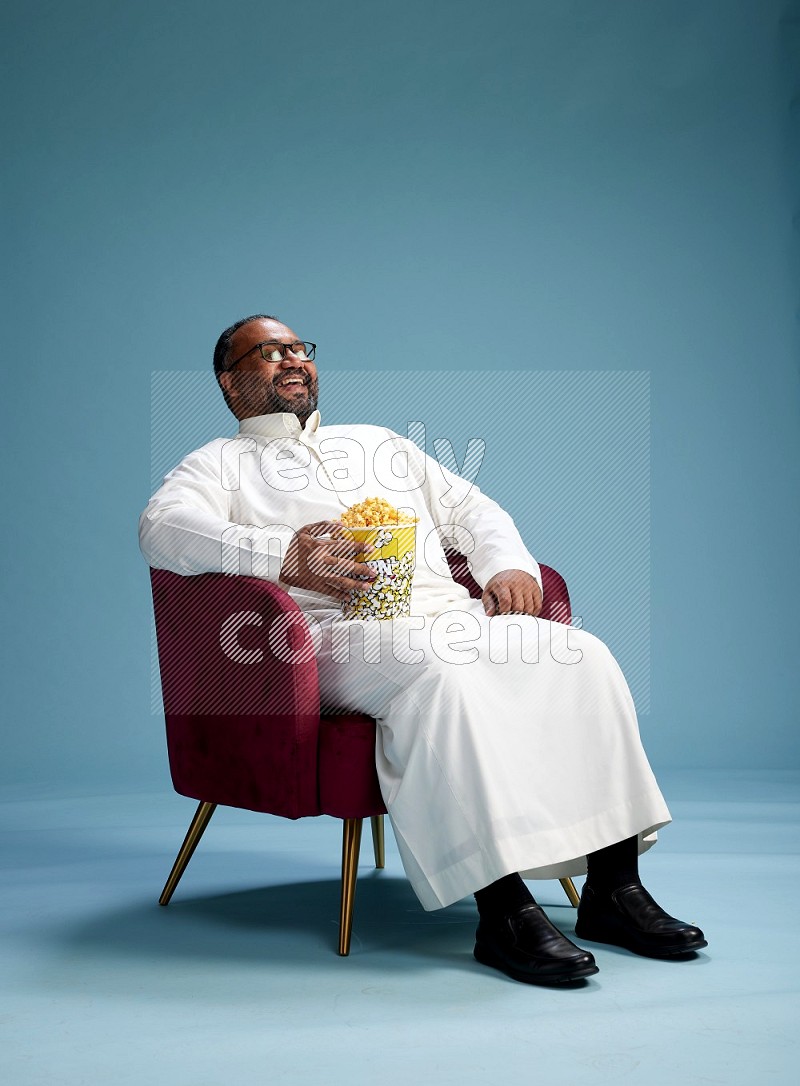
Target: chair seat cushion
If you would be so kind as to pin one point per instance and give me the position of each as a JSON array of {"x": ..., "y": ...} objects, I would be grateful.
[
  {"x": 348, "y": 780},
  {"x": 244, "y": 761}
]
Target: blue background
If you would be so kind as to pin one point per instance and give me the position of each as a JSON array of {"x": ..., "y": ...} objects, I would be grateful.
[{"x": 473, "y": 189}]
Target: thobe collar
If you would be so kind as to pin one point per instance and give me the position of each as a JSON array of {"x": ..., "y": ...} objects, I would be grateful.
[{"x": 281, "y": 424}]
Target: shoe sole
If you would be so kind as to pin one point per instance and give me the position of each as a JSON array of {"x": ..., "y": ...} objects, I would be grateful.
[
  {"x": 485, "y": 956},
  {"x": 681, "y": 951}
]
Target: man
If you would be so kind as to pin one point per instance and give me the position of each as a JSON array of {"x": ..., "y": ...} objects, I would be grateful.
[{"x": 490, "y": 766}]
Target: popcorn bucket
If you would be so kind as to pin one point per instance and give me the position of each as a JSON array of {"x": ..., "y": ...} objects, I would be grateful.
[{"x": 394, "y": 557}]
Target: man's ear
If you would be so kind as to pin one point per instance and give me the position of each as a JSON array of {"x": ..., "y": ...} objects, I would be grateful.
[
  {"x": 226, "y": 382},
  {"x": 229, "y": 391}
]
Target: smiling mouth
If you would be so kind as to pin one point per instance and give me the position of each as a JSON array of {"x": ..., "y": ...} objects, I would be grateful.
[{"x": 291, "y": 382}]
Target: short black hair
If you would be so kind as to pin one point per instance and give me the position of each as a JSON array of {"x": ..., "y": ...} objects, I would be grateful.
[{"x": 223, "y": 347}]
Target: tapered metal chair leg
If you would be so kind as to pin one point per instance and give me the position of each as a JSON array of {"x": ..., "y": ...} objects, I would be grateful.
[
  {"x": 571, "y": 892},
  {"x": 378, "y": 842},
  {"x": 351, "y": 846},
  {"x": 201, "y": 819}
]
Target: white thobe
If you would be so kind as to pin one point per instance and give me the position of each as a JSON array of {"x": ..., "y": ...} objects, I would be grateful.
[{"x": 498, "y": 749}]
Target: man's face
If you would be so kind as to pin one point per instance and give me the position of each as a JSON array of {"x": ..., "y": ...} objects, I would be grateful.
[{"x": 256, "y": 387}]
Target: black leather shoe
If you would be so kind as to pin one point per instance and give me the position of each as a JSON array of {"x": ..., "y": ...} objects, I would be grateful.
[
  {"x": 527, "y": 947},
  {"x": 628, "y": 917}
]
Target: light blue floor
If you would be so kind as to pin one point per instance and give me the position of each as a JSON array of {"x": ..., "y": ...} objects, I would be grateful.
[{"x": 238, "y": 980}]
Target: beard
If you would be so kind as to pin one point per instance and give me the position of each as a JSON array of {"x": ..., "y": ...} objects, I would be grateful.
[{"x": 264, "y": 398}]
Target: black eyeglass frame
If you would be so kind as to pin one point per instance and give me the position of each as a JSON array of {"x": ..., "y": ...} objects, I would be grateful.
[{"x": 309, "y": 348}]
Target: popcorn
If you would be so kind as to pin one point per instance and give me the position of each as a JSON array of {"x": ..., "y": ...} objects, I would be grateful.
[
  {"x": 373, "y": 512},
  {"x": 393, "y": 558}
]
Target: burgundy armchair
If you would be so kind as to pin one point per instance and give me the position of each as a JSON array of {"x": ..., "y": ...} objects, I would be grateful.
[{"x": 244, "y": 727}]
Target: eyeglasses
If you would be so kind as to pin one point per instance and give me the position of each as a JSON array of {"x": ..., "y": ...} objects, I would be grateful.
[{"x": 274, "y": 351}]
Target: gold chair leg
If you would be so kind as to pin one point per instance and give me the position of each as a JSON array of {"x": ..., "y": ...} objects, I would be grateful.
[
  {"x": 351, "y": 846},
  {"x": 571, "y": 892},
  {"x": 201, "y": 819},
  {"x": 378, "y": 843}
]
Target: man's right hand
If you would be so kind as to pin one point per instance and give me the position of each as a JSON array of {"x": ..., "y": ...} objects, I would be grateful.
[{"x": 325, "y": 564}]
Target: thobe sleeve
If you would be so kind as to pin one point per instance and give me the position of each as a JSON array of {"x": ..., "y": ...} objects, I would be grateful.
[
  {"x": 186, "y": 527},
  {"x": 468, "y": 521}
]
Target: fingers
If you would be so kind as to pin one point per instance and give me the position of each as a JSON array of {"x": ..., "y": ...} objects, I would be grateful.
[
  {"x": 503, "y": 595},
  {"x": 336, "y": 571},
  {"x": 344, "y": 546},
  {"x": 519, "y": 604},
  {"x": 528, "y": 597},
  {"x": 326, "y": 563},
  {"x": 512, "y": 596},
  {"x": 500, "y": 600},
  {"x": 361, "y": 572},
  {"x": 331, "y": 533},
  {"x": 326, "y": 527},
  {"x": 345, "y": 584},
  {"x": 344, "y": 581}
]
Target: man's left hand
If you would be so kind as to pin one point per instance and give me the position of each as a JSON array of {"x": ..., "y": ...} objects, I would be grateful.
[{"x": 512, "y": 591}]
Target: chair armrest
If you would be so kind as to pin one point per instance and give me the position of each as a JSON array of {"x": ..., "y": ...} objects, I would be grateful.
[
  {"x": 242, "y": 721},
  {"x": 555, "y": 597}
]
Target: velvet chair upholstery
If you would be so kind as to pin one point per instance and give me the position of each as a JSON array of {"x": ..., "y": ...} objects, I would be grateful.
[{"x": 242, "y": 709}]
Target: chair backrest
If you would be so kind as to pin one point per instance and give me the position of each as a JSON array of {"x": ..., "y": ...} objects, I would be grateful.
[{"x": 555, "y": 601}]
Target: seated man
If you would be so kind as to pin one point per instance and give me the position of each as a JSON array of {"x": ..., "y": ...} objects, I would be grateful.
[{"x": 491, "y": 767}]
